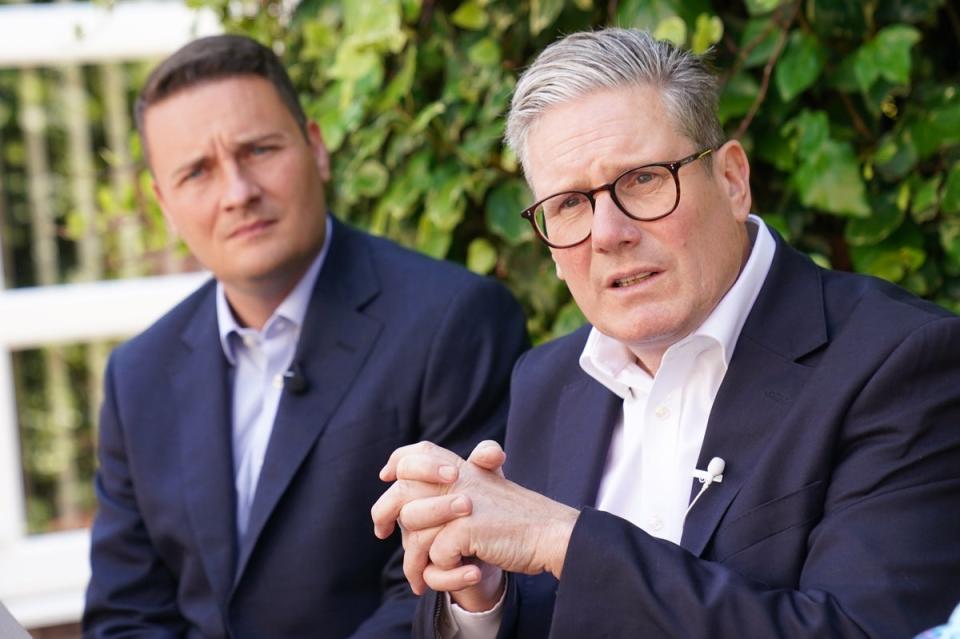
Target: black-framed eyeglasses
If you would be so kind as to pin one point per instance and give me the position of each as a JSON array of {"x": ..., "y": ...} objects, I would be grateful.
[{"x": 646, "y": 193}]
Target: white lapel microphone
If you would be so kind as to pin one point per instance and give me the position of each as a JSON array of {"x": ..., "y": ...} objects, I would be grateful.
[{"x": 713, "y": 473}]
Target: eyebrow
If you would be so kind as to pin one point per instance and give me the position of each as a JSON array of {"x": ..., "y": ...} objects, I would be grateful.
[{"x": 202, "y": 158}]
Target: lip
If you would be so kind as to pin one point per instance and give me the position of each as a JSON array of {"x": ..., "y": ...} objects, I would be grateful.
[
  {"x": 640, "y": 275},
  {"x": 251, "y": 228}
]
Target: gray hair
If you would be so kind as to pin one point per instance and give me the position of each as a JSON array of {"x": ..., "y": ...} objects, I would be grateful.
[{"x": 613, "y": 58}]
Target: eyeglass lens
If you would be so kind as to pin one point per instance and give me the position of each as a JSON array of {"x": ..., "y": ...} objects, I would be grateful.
[{"x": 645, "y": 193}]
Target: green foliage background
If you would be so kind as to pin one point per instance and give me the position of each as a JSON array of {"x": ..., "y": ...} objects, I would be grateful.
[{"x": 850, "y": 112}]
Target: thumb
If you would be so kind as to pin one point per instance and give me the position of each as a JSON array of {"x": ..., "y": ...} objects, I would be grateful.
[{"x": 488, "y": 455}]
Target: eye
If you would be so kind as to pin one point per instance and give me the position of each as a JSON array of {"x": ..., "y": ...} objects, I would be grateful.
[
  {"x": 192, "y": 174},
  {"x": 261, "y": 149},
  {"x": 645, "y": 180},
  {"x": 640, "y": 178},
  {"x": 571, "y": 201}
]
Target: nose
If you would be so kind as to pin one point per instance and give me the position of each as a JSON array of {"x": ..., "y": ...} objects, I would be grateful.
[
  {"x": 612, "y": 230},
  {"x": 239, "y": 189}
]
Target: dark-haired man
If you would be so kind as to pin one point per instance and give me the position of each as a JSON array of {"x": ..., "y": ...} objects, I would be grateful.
[{"x": 241, "y": 434}]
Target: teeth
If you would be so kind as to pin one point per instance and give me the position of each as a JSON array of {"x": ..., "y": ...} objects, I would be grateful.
[{"x": 629, "y": 281}]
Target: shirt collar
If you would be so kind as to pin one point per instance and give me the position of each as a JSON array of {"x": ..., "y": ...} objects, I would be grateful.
[
  {"x": 606, "y": 359},
  {"x": 293, "y": 307}
]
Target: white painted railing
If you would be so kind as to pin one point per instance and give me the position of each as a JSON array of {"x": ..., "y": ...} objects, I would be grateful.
[{"x": 43, "y": 577}]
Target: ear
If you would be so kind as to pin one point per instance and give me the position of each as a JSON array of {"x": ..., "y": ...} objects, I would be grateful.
[
  {"x": 171, "y": 224},
  {"x": 319, "y": 149},
  {"x": 732, "y": 171}
]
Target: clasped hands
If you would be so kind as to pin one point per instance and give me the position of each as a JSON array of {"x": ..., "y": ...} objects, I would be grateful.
[{"x": 463, "y": 523}]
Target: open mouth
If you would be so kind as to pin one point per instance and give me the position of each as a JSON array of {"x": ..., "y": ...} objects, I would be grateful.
[{"x": 633, "y": 279}]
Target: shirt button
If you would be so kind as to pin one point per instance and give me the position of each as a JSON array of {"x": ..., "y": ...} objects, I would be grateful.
[
  {"x": 249, "y": 341},
  {"x": 662, "y": 412},
  {"x": 278, "y": 382},
  {"x": 655, "y": 523}
]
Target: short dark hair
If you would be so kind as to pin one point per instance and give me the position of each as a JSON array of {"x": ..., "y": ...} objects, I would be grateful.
[{"x": 214, "y": 58}]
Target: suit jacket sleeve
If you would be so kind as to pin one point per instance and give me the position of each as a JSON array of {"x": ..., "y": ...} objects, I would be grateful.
[
  {"x": 464, "y": 401},
  {"x": 882, "y": 560},
  {"x": 131, "y": 592}
]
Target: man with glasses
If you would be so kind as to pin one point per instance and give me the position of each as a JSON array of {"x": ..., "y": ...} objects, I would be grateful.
[{"x": 741, "y": 443}]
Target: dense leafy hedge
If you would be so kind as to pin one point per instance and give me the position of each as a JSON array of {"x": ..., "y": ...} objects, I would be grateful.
[{"x": 849, "y": 110}]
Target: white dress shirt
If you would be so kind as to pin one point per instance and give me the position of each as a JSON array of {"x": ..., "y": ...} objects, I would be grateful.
[
  {"x": 657, "y": 440},
  {"x": 655, "y": 445},
  {"x": 258, "y": 360}
]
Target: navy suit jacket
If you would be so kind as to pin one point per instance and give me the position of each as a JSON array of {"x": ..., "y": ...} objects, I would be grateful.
[
  {"x": 395, "y": 348},
  {"x": 839, "y": 510}
]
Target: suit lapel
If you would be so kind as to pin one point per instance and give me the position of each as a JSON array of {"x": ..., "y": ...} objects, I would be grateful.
[
  {"x": 335, "y": 340},
  {"x": 586, "y": 415},
  {"x": 750, "y": 406},
  {"x": 202, "y": 401}
]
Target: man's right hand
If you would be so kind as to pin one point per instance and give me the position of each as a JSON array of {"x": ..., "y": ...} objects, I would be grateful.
[{"x": 422, "y": 501}]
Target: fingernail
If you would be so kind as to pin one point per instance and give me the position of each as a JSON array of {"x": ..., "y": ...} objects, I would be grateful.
[
  {"x": 447, "y": 473},
  {"x": 383, "y": 472},
  {"x": 472, "y": 576},
  {"x": 460, "y": 506}
]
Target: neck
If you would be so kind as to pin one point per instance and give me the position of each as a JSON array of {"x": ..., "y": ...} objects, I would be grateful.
[
  {"x": 253, "y": 303},
  {"x": 252, "y": 310}
]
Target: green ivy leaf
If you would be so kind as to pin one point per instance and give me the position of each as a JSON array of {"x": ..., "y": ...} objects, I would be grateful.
[
  {"x": 923, "y": 207},
  {"x": 936, "y": 129},
  {"x": 406, "y": 188},
  {"x": 895, "y": 156},
  {"x": 445, "y": 200},
  {"x": 761, "y": 34},
  {"x": 503, "y": 211},
  {"x": 672, "y": 29},
  {"x": 830, "y": 181},
  {"x": 950, "y": 203},
  {"x": 892, "y": 55},
  {"x": 760, "y": 7},
  {"x": 708, "y": 31},
  {"x": 950, "y": 239},
  {"x": 399, "y": 87},
  {"x": 481, "y": 256},
  {"x": 432, "y": 240},
  {"x": 799, "y": 67},
  {"x": 411, "y": 9},
  {"x": 485, "y": 53},
  {"x": 885, "y": 218},
  {"x": 812, "y": 131},
  {"x": 865, "y": 67},
  {"x": 543, "y": 13},
  {"x": 738, "y": 96},
  {"x": 374, "y": 22},
  {"x": 889, "y": 263},
  {"x": 644, "y": 14},
  {"x": 569, "y": 319},
  {"x": 354, "y": 61},
  {"x": 471, "y": 16},
  {"x": 371, "y": 179}
]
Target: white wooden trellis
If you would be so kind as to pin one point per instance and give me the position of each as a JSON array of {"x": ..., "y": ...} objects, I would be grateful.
[{"x": 43, "y": 577}]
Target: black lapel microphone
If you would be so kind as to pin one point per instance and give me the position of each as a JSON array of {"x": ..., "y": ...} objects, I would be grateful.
[{"x": 294, "y": 380}]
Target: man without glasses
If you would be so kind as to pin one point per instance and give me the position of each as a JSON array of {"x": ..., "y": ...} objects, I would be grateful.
[
  {"x": 240, "y": 435},
  {"x": 832, "y": 399}
]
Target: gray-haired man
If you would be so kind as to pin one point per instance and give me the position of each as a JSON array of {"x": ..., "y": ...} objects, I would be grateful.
[{"x": 830, "y": 401}]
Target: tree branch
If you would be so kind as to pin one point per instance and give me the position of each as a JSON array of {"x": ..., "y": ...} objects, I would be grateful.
[{"x": 767, "y": 72}]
